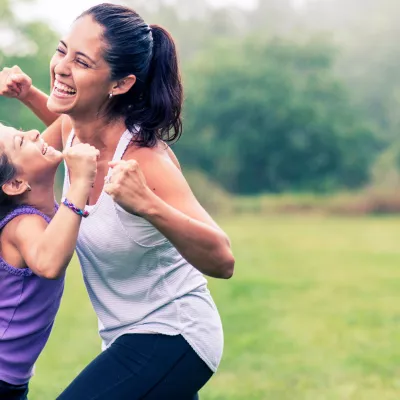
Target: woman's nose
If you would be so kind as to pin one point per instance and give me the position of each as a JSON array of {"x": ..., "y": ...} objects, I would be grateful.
[{"x": 61, "y": 68}]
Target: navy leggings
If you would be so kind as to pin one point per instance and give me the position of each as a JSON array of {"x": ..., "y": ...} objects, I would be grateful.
[
  {"x": 142, "y": 366},
  {"x": 13, "y": 392}
]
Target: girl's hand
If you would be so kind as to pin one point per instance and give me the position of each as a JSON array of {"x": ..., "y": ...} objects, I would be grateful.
[{"x": 81, "y": 160}]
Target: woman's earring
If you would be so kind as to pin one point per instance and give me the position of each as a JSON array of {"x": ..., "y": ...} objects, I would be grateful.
[
  {"x": 29, "y": 187},
  {"x": 110, "y": 95}
]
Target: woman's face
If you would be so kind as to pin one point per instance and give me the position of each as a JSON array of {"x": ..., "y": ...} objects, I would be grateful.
[
  {"x": 80, "y": 77},
  {"x": 32, "y": 157}
]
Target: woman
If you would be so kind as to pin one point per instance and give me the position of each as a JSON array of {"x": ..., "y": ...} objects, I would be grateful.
[
  {"x": 35, "y": 248},
  {"x": 147, "y": 241}
]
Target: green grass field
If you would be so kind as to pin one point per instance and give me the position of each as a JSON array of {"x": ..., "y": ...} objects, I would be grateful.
[{"x": 312, "y": 313}]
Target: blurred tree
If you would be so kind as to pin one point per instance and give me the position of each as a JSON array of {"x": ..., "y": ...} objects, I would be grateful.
[
  {"x": 266, "y": 108},
  {"x": 367, "y": 32},
  {"x": 269, "y": 115}
]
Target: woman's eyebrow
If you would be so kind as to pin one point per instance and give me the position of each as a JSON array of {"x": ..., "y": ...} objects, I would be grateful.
[{"x": 78, "y": 52}]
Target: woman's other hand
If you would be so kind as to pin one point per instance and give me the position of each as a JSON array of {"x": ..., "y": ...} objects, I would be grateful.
[
  {"x": 14, "y": 83},
  {"x": 127, "y": 187}
]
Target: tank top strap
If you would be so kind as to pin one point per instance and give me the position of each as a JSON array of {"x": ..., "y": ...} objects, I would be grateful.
[
  {"x": 23, "y": 210},
  {"x": 123, "y": 144},
  {"x": 70, "y": 139}
]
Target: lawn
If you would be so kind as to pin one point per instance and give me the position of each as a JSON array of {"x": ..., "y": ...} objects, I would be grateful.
[{"x": 312, "y": 313}]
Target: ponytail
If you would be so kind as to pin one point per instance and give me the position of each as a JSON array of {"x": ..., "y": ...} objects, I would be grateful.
[
  {"x": 163, "y": 92},
  {"x": 152, "y": 107}
]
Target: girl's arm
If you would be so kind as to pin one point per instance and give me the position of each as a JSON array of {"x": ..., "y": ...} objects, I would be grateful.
[{"x": 47, "y": 249}]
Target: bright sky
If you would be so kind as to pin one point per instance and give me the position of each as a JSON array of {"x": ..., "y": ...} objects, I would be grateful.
[{"x": 60, "y": 16}]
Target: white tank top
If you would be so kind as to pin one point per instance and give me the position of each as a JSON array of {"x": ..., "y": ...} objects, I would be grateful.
[{"x": 138, "y": 282}]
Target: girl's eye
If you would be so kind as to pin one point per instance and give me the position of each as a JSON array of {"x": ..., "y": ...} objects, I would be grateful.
[
  {"x": 22, "y": 141},
  {"x": 59, "y": 50}
]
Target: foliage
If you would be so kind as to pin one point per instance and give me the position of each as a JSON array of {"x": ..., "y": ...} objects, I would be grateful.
[
  {"x": 278, "y": 99},
  {"x": 269, "y": 115}
]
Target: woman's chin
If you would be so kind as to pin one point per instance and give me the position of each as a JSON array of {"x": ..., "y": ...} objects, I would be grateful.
[{"x": 58, "y": 106}]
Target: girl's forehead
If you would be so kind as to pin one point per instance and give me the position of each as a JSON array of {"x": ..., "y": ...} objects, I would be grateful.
[
  {"x": 7, "y": 134},
  {"x": 7, "y": 130}
]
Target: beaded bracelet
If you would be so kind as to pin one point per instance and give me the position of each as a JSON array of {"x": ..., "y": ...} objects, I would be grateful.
[{"x": 74, "y": 208}]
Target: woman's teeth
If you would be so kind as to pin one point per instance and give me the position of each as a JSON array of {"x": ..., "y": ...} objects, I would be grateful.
[
  {"x": 44, "y": 148},
  {"x": 64, "y": 89}
]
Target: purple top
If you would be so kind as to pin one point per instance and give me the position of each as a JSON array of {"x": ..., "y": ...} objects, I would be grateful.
[{"x": 28, "y": 306}]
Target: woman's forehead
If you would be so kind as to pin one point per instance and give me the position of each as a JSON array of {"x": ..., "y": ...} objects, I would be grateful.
[{"x": 86, "y": 36}]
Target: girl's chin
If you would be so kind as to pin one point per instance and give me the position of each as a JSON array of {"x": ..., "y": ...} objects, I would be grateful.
[
  {"x": 57, "y": 157},
  {"x": 54, "y": 157}
]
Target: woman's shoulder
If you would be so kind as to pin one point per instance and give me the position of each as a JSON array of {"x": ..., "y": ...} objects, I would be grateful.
[
  {"x": 159, "y": 166},
  {"x": 148, "y": 157}
]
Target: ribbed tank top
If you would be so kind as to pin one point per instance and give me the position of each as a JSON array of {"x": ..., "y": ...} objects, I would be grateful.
[{"x": 138, "y": 282}]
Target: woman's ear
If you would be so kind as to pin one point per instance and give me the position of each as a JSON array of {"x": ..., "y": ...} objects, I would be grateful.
[
  {"x": 16, "y": 187},
  {"x": 124, "y": 85}
]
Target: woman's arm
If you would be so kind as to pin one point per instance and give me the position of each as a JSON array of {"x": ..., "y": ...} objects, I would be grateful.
[
  {"x": 158, "y": 192},
  {"x": 14, "y": 83},
  {"x": 53, "y": 134},
  {"x": 57, "y": 133},
  {"x": 36, "y": 101}
]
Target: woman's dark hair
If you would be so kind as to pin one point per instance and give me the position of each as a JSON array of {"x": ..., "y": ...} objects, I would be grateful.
[
  {"x": 154, "y": 103},
  {"x": 7, "y": 172}
]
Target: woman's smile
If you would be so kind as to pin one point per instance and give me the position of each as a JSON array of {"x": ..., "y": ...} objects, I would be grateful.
[{"x": 62, "y": 90}]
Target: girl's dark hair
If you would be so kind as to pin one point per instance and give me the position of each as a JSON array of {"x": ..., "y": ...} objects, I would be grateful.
[
  {"x": 154, "y": 103},
  {"x": 7, "y": 172}
]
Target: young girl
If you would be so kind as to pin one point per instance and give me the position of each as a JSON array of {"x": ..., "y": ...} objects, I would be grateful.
[{"x": 36, "y": 245}]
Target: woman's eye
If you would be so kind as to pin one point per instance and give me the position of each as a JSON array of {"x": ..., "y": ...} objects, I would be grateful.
[
  {"x": 61, "y": 51},
  {"x": 22, "y": 141},
  {"x": 80, "y": 62}
]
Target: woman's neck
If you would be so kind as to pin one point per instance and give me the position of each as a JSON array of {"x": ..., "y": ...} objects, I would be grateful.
[{"x": 101, "y": 133}]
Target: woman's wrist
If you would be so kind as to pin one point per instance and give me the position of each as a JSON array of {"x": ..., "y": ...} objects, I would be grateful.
[
  {"x": 30, "y": 96},
  {"x": 152, "y": 208}
]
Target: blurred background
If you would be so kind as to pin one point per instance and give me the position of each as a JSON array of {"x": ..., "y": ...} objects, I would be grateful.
[{"x": 291, "y": 141}]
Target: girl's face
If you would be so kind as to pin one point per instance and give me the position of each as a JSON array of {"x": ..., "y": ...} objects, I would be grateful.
[
  {"x": 80, "y": 77},
  {"x": 32, "y": 157}
]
